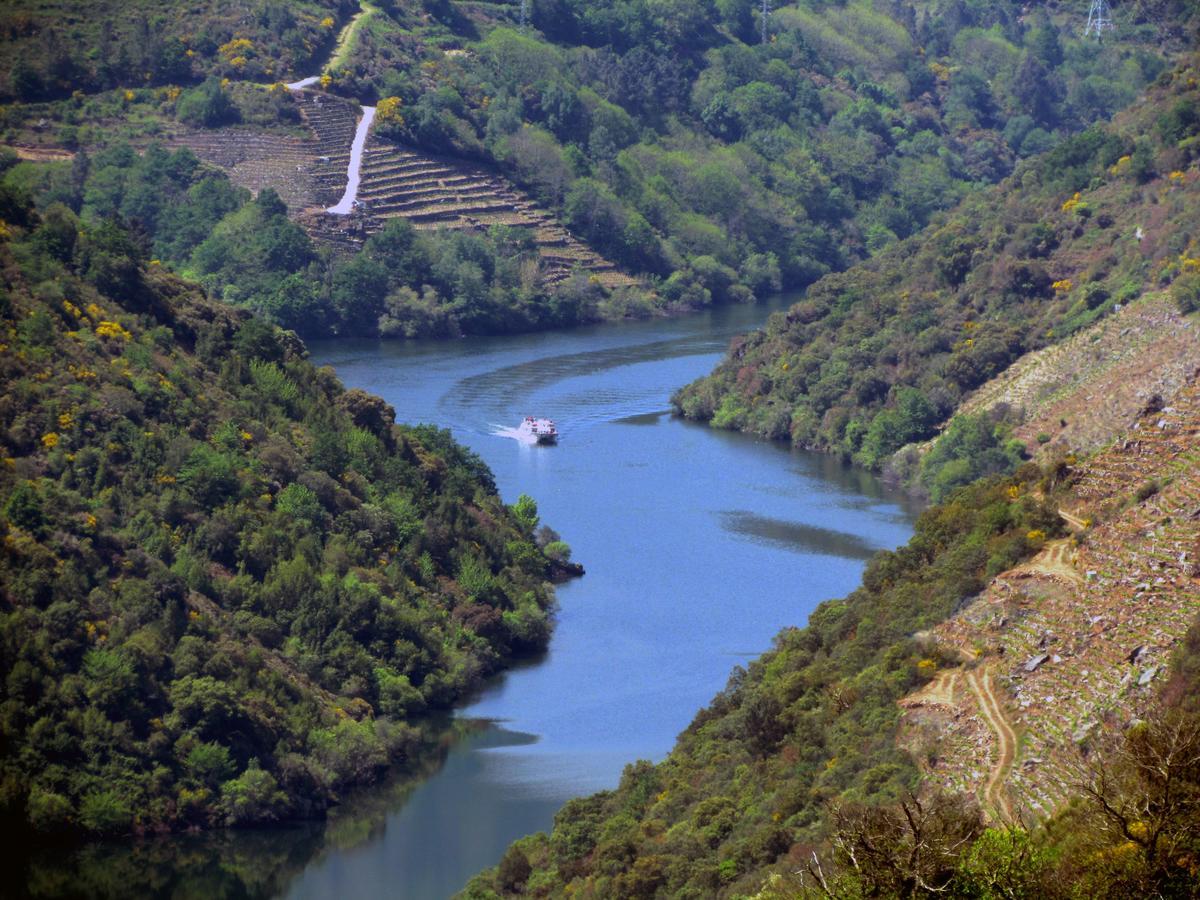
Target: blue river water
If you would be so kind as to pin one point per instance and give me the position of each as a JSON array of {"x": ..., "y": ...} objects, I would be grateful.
[{"x": 699, "y": 545}]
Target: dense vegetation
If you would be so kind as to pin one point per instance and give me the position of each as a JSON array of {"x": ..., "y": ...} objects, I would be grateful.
[
  {"x": 879, "y": 356},
  {"x": 229, "y": 586},
  {"x": 810, "y": 722},
  {"x": 135, "y": 43},
  {"x": 247, "y": 251},
  {"x": 668, "y": 135},
  {"x": 680, "y": 145}
]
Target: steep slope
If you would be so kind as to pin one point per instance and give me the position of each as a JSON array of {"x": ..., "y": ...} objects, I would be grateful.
[
  {"x": 1079, "y": 636},
  {"x": 156, "y": 42},
  {"x": 1080, "y": 393},
  {"x": 882, "y": 355},
  {"x": 230, "y": 588}
]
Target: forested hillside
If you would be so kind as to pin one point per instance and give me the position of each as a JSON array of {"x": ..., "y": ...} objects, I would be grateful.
[
  {"x": 882, "y": 355},
  {"x": 1068, "y": 684},
  {"x": 53, "y": 48},
  {"x": 230, "y": 586},
  {"x": 679, "y": 143},
  {"x": 670, "y": 137}
]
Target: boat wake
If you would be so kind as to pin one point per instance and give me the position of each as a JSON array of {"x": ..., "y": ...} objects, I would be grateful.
[{"x": 516, "y": 434}]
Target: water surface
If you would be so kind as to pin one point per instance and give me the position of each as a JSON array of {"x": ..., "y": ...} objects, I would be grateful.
[{"x": 700, "y": 546}]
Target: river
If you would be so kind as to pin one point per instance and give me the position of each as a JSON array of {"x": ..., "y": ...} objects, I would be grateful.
[{"x": 699, "y": 546}]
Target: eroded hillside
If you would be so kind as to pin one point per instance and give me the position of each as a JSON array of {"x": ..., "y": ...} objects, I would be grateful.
[{"x": 1078, "y": 637}]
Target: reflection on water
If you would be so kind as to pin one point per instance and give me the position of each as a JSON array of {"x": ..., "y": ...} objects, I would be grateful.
[
  {"x": 650, "y": 418},
  {"x": 797, "y": 535},
  {"x": 249, "y": 863},
  {"x": 699, "y": 546}
]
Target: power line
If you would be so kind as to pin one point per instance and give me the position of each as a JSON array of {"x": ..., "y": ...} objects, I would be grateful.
[{"x": 1099, "y": 20}]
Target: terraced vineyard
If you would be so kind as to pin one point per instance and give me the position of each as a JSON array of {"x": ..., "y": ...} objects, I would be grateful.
[
  {"x": 397, "y": 182},
  {"x": 1074, "y": 641},
  {"x": 1078, "y": 393},
  {"x": 434, "y": 192},
  {"x": 256, "y": 160}
]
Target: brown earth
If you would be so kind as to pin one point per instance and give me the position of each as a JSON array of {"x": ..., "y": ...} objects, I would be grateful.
[
  {"x": 429, "y": 191},
  {"x": 1099, "y": 380},
  {"x": 1076, "y": 639}
]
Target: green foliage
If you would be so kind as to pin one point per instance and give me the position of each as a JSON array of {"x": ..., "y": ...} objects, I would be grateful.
[
  {"x": 666, "y": 132},
  {"x": 1004, "y": 864},
  {"x": 1185, "y": 291},
  {"x": 526, "y": 512},
  {"x": 158, "y": 43},
  {"x": 972, "y": 447},
  {"x": 229, "y": 583},
  {"x": 880, "y": 355},
  {"x": 809, "y": 725},
  {"x": 206, "y": 106}
]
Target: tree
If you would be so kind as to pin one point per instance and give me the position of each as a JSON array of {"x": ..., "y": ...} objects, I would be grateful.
[
  {"x": 1143, "y": 790},
  {"x": 206, "y": 106},
  {"x": 910, "y": 849},
  {"x": 526, "y": 511}
]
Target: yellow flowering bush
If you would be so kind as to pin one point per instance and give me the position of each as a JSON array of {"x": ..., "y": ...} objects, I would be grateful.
[
  {"x": 387, "y": 113},
  {"x": 238, "y": 47},
  {"x": 112, "y": 329}
]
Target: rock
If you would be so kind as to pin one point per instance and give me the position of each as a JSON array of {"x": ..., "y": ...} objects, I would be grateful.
[
  {"x": 1147, "y": 676},
  {"x": 1036, "y": 662}
]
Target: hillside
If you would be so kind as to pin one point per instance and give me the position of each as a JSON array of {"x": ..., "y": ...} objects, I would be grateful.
[
  {"x": 231, "y": 588},
  {"x": 1079, "y": 393},
  {"x": 654, "y": 158},
  {"x": 958, "y": 719},
  {"x": 155, "y": 42},
  {"x": 1081, "y": 636},
  {"x": 884, "y": 354}
]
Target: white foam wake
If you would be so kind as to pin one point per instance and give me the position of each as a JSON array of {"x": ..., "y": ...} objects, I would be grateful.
[{"x": 515, "y": 434}]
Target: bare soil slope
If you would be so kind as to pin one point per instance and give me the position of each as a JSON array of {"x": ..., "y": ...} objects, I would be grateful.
[{"x": 1079, "y": 635}]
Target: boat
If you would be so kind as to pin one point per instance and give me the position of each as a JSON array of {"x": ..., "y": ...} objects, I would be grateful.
[{"x": 543, "y": 431}]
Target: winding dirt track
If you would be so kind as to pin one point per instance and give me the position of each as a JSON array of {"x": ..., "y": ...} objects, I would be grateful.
[
  {"x": 1074, "y": 521},
  {"x": 1055, "y": 561},
  {"x": 994, "y": 793}
]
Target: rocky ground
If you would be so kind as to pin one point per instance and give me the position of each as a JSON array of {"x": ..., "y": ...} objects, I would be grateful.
[{"x": 1074, "y": 641}]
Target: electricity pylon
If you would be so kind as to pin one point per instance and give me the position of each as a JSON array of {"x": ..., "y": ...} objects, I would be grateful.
[{"x": 1099, "y": 20}]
